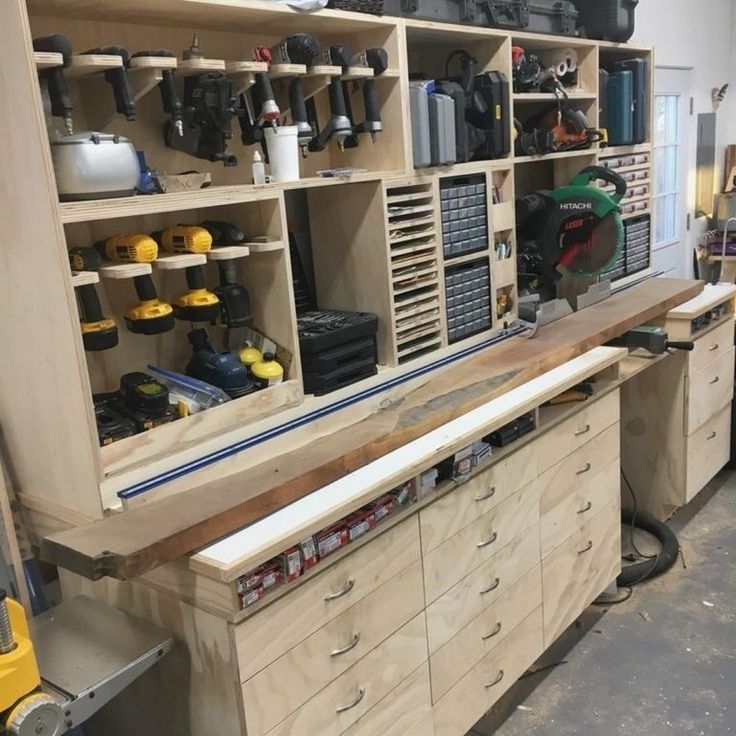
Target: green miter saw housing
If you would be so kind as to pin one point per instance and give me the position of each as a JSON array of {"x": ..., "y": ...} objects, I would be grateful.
[{"x": 583, "y": 231}]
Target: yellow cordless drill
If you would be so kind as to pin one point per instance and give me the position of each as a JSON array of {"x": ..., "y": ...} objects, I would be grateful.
[
  {"x": 98, "y": 332},
  {"x": 150, "y": 316},
  {"x": 198, "y": 304}
]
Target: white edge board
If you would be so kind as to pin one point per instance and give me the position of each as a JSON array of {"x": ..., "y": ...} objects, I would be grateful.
[
  {"x": 711, "y": 296},
  {"x": 310, "y": 510}
]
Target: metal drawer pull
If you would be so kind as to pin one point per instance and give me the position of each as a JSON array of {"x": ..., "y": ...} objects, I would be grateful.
[
  {"x": 491, "y": 587},
  {"x": 715, "y": 380},
  {"x": 341, "y": 593},
  {"x": 714, "y": 347},
  {"x": 587, "y": 467},
  {"x": 584, "y": 430},
  {"x": 350, "y": 706},
  {"x": 498, "y": 679},
  {"x": 488, "y": 543},
  {"x": 491, "y": 493},
  {"x": 588, "y": 506},
  {"x": 349, "y": 647},
  {"x": 712, "y": 435},
  {"x": 495, "y": 632},
  {"x": 587, "y": 548}
]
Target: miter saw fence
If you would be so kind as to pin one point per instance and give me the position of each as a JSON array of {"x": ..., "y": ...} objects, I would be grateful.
[{"x": 576, "y": 229}]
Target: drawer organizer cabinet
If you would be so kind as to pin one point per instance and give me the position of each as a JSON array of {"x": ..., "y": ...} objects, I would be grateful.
[
  {"x": 676, "y": 415},
  {"x": 407, "y": 245},
  {"x": 419, "y": 626}
]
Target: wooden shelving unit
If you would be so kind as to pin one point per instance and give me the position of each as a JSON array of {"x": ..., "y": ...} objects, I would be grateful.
[{"x": 376, "y": 236}]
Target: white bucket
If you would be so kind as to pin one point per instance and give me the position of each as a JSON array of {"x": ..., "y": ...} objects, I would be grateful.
[{"x": 283, "y": 152}]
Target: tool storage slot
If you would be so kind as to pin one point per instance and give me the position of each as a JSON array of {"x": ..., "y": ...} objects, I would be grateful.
[
  {"x": 259, "y": 264},
  {"x": 231, "y": 52}
]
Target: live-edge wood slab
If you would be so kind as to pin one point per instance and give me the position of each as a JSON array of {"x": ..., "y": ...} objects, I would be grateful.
[{"x": 129, "y": 544}]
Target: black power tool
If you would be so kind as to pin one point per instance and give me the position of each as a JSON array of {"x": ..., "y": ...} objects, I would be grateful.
[
  {"x": 118, "y": 80},
  {"x": 53, "y": 78},
  {"x": 167, "y": 87}
]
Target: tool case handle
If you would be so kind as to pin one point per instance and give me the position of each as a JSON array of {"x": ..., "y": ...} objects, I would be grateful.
[{"x": 509, "y": 14}]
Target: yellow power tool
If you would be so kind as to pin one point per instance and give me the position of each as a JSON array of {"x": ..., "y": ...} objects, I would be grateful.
[
  {"x": 24, "y": 709},
  {"x": 198, "y": 304},
  {"x": 150, "y": 316}
]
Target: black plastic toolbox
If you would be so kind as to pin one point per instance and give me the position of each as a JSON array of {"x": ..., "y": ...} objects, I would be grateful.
[
  {"x": 608, "y": 20},
  {"x": 559, "y": 17}
]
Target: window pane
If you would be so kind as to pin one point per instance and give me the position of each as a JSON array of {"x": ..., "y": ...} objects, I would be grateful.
[
  {"x": 660, "y": 173},
  {"x": 670, "y": 217},
  {"x": 660, "y": 118},
  {"x": 671, "y": 183},
  {"x": 672, "y": 127},
  {"x": 659, "y": 220}
]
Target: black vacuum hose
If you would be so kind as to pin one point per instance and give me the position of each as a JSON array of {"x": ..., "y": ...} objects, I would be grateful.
[{"x": 647, "y": 569}]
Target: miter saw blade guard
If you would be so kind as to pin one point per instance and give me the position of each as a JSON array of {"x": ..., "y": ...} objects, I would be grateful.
[{"x": 577, "y": 228}]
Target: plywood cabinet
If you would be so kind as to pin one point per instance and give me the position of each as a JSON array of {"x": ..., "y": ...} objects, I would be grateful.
[
  {"x": 428, "y": 622},
  {"x": 377, "y": 237},
  {"x": 676, "y": 414}
]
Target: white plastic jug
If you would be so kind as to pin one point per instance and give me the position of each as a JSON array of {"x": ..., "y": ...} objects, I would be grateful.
[{"x": 283, "y": 152}]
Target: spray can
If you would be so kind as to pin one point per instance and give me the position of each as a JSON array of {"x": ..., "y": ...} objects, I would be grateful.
[{"x": 267, "y": 372}]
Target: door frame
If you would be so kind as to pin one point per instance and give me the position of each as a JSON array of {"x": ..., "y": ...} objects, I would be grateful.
[{"x": 663, "y": 85}]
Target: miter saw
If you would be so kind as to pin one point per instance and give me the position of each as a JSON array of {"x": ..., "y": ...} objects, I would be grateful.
[{"x": 576, "y": 229}]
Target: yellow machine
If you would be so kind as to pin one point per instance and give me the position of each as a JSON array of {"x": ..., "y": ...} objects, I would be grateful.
[{"x": 24, "y": 709}]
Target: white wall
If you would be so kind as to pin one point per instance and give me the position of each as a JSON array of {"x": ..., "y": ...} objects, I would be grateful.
[{"x": 700, "y": 34}]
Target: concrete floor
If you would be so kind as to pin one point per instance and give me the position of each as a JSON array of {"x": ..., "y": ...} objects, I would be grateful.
[{"x": 661, "y": 664}]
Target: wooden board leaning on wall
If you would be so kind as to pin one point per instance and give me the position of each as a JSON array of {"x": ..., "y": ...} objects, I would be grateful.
[{"x": 129, "y": 544}]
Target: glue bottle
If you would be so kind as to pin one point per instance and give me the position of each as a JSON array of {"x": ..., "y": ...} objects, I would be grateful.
[
  {"x": 249, "y": 355},
  {"x": 267, "y": 372},
  {"x": 259, "y": 169}
]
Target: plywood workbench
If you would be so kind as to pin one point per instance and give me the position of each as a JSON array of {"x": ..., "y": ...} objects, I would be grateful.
[{"x": 418, "y": 627}]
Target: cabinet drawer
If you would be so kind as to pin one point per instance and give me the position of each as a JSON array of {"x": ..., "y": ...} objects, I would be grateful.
[
  {"x": 708, "y": 450},
  {"x": 476, "y": 591},
  {"x": 484, "y": 633},
  {"x": 708, "y": 391},
  {"x": 459, "y": 710},
  {"x": 580, "y": 428},
  {"x": 576, "y": 489},
  {"x": 710, "y": 346},
  {"x": 284, "y": 685},
  {"x": 580, "y": 569},
  {"x": 480, "y": 494},
  {"x": 277, "y": 629},
  {"x": 425, "y": 727},
  {"x": 338, "y": 706},
  {"x": 463, "y": 552},
  {"x": 400, "y": 711}
]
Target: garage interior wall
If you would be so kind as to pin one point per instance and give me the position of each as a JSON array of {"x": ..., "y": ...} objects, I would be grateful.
[{"x": 700, "y": 35}]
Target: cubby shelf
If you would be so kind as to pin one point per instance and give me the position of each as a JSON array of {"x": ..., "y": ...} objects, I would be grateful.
[
  {"x": 555, "y": 156},
  {"x": 360, "y": 261},
  {"x": 551, "y": 97}
]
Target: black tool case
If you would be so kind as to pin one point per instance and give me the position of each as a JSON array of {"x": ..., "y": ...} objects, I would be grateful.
[
  {"x": 559, "y": 17},
  {"x": 608, "y": 20}
]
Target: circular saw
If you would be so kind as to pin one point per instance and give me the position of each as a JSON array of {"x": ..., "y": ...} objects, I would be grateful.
[{"x": 576, "y": 229}]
